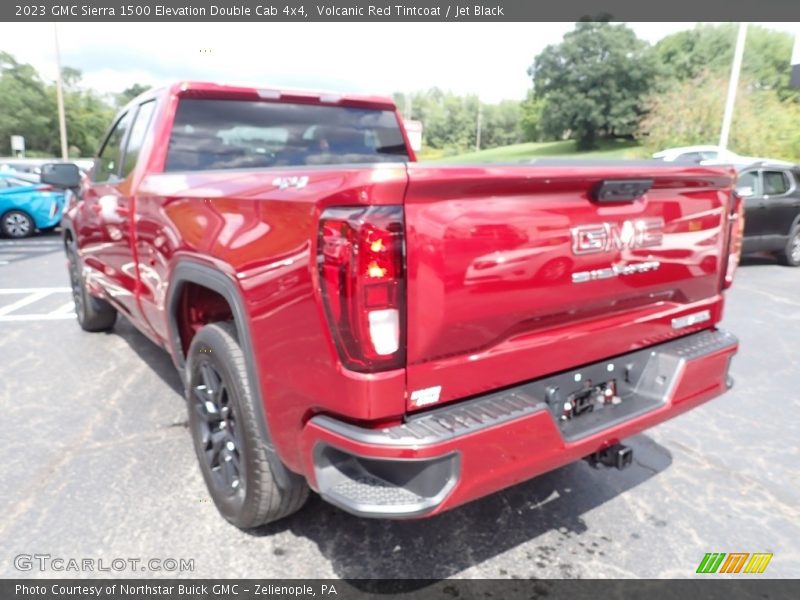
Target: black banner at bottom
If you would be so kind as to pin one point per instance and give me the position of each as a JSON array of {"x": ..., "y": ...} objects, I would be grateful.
[{"x": 710, "y": 588}]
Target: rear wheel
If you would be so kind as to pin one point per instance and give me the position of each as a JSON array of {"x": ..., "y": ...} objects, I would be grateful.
[
  {"x": 790, "y": 255},
  {"x": 237, "y": 466},
  {"x": 93, "y": 313},
  {"x": 17, "y": 224}
]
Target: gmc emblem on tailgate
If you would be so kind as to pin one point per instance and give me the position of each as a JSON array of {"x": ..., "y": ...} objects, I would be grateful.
[{"x": 605, "y": 237}]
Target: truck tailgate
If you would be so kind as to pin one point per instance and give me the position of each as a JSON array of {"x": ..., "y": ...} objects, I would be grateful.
[{"x": 515, "y": 272}]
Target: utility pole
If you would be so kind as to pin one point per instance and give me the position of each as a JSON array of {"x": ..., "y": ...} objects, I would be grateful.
[
  {"x": 733, "y": 84},
  {"x": 62, "y": 120},
  {"x": 478, "y": 132}
]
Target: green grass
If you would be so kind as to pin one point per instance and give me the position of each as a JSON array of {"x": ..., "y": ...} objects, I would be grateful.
[{"x": 518, "y": 152}]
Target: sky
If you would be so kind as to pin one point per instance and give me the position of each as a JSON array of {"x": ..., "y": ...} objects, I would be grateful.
[{"x": 487, "y": 59}]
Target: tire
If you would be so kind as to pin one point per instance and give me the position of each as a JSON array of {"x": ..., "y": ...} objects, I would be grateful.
[
  {"x": 17, "y": 224},
  {"x": 238, "y": 468},
  {"x": 790, "y": 255},
  {"x": 93, "y": 313}
]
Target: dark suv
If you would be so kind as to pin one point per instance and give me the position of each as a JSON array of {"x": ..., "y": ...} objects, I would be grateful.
[{"x": 772, "y": 210}]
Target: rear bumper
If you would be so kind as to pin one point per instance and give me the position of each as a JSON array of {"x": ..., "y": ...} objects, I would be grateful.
[{"x": 463, "y": 451}]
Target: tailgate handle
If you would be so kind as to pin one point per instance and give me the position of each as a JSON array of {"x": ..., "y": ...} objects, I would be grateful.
[{"x": 621, "y": 190}]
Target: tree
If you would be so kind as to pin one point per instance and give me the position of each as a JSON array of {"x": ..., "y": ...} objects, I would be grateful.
[
  {"x": 593, "y": 82},
  {"x": 88, "y": 117},
  {"x": 450, "y": 121},
  {"x": 130, "y": 93},
  {"x": 531, "y": 118},
  {"x": 709, "y": 48},
  {"x": 690, "y": 113},
  {"x": 30, "y": 109},
  {"x": 501, "y": 124},
  {"x": 26, "y": 106}
]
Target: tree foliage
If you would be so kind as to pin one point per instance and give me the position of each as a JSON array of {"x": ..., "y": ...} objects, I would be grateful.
[
  {"x": 530, "y": 120},
  {"x": 26, "y": 106},
  {"x": 30, "y": 109},
  {"x": 709, "y": 48},
  {"x": 130, "y": 93},
  {"x": 450, "y": 121},
  {"x": 690, "y": 112},
  {"x": 593, "y": 83}
]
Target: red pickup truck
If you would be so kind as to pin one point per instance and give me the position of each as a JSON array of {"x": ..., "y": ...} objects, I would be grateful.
[{"x": 401, "y": 338}]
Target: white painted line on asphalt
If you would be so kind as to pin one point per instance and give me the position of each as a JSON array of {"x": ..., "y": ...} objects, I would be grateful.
[
  {"x": 64, "y": 309},
  {"x": 49, "y": 290},
  {"x": 28, "y": 248},
  {"x": 47, "y": 317},
  {"x": 29, "y": 299},
  {"x": 33, "y": 241}
]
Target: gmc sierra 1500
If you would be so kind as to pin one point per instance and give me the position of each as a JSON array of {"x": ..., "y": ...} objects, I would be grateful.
[{"x": 401, "y": 338}]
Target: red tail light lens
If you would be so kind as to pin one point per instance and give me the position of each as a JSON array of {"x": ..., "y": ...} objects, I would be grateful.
[
  {"x": 735, "y": 240},
  {"x": 362, "y": 280}
]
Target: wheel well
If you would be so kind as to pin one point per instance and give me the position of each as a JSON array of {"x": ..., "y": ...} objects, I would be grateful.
[{"x": 197, "y": 306}]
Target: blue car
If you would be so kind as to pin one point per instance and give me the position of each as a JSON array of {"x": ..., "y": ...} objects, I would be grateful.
[{"x": 26, "y": 205}]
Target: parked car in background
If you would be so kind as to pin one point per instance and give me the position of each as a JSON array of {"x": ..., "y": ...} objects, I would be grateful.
[
  {"x": 709, "y": 155},
  {"x": 772, "y": 210},
  {"x": 33, "y": 166},
  {"x": 26, "y": 205}
]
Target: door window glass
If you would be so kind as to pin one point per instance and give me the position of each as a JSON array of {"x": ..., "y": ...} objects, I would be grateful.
[
  {"x": 107, "y": 168},
  {"x": 775, "y": 183},
  {"x": 748, "y": 184},
  {"x": 136, "y": 139}
]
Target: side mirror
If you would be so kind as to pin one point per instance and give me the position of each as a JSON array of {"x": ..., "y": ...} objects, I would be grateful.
[
  {"x": 63, "y": 175},
  {"x": 745, "y": 192}
]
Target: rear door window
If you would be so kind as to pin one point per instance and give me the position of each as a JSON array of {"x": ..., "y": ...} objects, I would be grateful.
[
  {"x": 776, "y": 183},
  {"x": 234, "y": 134}
]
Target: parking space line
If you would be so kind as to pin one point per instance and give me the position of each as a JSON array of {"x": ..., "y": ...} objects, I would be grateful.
[
  {"x": 42, "y": 317},
  {"x": 49, "y": 290},
  {"x": 29, "y": 247},
  {"x": 64, "y": 309},
  {"x": 29, "y": 299}
]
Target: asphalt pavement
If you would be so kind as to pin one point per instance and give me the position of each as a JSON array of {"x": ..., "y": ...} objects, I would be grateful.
[{"x": 98, "y": 464}]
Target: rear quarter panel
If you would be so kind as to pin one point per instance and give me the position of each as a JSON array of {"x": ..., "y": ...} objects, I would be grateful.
[{"x": 264, "y": 239}]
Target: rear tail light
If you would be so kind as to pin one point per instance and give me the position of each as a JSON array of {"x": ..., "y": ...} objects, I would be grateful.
[
  {"x": 735, "y": 239},
  {"x": 362, "y": 280},
  {"x": 44, "y": 188}
]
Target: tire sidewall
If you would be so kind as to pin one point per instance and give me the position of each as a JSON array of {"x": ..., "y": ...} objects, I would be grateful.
[
  {"x": 208, "y": 345},
  {"x": 788, "y": 251},
  {"x": 75, "y": 263}
]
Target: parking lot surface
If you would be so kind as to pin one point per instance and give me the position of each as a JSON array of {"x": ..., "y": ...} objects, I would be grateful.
[{"x": 98, "y": 464}]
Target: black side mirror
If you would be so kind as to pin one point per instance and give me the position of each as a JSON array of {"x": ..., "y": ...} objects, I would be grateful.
[{"x": 63, "y": 175}]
